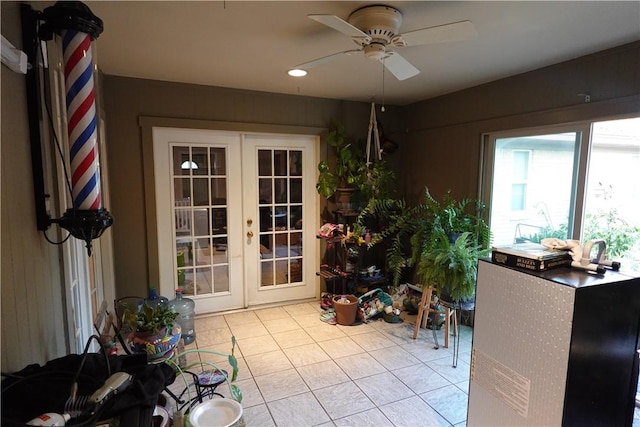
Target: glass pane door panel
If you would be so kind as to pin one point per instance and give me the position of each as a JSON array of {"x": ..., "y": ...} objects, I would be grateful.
[
  {"x": 200, "y": 164},
  {"x": 295, "y": 191},
  {"x": 183, "y": 219},
  {"x": 182, "y": 191},
  {"x": 218, "y": 161},
  {"x": 266, "y": 278},
  {"x": 280, "y": 201},
  {"x": 181, "y": 160},
  {"x": 203, "y": 281},
  {"x": 220, "y": 250},
  {"x": 203, "y": 254},
  {"x": 296, "y": 270},
  {"x": 281, "y": 190},
  {"x": 219, "y": 225},
  {"x": 264, "y": 163},
  {"x": 280, "y": 163},
  {"x": 201, "y": 192},
  {"x": 612, "y": 203},
  {"x": 218, "y": 191},
  {"x": 532, "y": 187},
  {"x": 295, "y": 217},
  {"x": 265, "y": 190},
  {"x": 295, "y": 163},
  {"x": 184, "y": 251},
  {"x": 221, "y": 278},
  {"x": 200, "y": 219},
  {"x": 282, "y": 272}
]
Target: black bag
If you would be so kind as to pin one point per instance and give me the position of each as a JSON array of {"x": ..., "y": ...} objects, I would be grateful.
[{"x": 39, "y": 389}]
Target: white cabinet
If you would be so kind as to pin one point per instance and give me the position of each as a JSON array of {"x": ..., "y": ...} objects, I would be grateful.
[{"x": 554, "y": 348}]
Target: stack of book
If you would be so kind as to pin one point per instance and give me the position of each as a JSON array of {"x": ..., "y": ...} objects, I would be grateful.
[{"x": 530, "y": 256}]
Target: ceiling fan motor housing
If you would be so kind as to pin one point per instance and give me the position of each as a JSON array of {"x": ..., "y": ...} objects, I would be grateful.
[{"x": 382, "y": 23}]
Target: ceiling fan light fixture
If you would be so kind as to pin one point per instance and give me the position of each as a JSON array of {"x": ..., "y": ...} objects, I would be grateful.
[
  {"x": 375, "y": 51},
  {"x": 297, "y": 72}
]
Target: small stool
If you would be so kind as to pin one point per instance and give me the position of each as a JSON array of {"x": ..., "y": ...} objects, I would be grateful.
[
  {"x": 205, "y": 383},
  {"x": 208, "y": 381},
  {"x": 423, "y": 313}
]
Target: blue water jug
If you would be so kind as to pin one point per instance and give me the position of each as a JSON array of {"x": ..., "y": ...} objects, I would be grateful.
[
  {"x": 154, "y": 300},
  {"x": 185, "y": 307}
]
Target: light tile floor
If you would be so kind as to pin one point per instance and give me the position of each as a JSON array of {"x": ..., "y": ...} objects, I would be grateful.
[{"x": 295, "y": 370}]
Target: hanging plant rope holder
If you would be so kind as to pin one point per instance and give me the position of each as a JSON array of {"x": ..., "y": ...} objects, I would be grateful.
[{"x": 373, "y": 129}]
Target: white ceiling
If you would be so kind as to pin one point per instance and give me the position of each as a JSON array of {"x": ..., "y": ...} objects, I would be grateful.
[{"x": 252, "y": 44}]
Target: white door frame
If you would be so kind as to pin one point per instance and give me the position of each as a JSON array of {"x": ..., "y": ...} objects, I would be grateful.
[{"x": 164, "y": 230}]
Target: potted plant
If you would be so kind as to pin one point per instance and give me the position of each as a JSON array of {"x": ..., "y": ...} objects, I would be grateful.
[
  {"x": 152, "y": 329},
  {"x": 454, "y": 217},
  {"x": 448, "y": 259},
  {"x": 378, "y": 182},
  {"x": 347, "y": 175},
  {"x": 442, "y": 240},
  {"x": 451, "y": 267},
  {"x": 401, "y": 223}
]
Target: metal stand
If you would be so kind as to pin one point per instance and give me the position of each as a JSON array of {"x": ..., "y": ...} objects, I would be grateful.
[{"x": 457, "y": 310}]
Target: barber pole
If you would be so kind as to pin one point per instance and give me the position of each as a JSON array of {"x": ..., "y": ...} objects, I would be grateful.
[
  {"x": 77, "y": 28},
  {"x": 81, "y": 117}
]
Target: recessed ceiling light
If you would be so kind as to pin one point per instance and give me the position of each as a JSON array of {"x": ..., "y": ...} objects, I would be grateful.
[{"x": 296, "y": 72}]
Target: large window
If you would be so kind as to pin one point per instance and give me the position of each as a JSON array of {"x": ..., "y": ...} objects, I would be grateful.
[{"x": 577, "y": 181}]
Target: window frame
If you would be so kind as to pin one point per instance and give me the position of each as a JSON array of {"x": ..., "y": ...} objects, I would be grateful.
[{"x": 579, "y": 173}]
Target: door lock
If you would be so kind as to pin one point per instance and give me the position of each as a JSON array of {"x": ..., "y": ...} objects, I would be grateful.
[
  {"x": 249, "y": 234},
  {"x": 249, "y": 222}
]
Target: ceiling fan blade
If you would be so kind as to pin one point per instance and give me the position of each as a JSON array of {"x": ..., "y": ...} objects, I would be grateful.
[
  {"x": 340, "y": 25},
  {"x": 325, "y": 59},
  {"x": 463, "y": 30},
  {"x": 399, "y": 67}
]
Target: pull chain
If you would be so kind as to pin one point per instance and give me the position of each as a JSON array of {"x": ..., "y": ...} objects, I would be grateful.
[{"x": 383, "y": 67}]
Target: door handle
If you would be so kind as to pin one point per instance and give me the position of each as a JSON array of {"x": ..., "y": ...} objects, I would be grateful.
[{"x": 249, "y": 234}]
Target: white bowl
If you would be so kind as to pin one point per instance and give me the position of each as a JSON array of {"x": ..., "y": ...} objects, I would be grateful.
[{"x": 215, "y": 413}]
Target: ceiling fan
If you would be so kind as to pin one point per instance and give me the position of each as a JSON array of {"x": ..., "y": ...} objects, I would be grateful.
[{"x": 375, "y": 29}]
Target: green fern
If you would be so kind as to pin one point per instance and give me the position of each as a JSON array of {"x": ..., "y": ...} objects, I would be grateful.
[
  {"x": 450, "y": 266},
  {"x": 418, "y": 235}
]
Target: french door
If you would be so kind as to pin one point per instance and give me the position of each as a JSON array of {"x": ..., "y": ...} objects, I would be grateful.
[{"x": 230, "y": 209}]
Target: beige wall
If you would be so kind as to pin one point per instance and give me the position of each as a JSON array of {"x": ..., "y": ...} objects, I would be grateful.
[
  {"x": 33, "y": 324},
  {"x": 447, "y": 130}
]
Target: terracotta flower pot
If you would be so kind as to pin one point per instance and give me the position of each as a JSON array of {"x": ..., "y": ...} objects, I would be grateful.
[
  {"x": 343, "y": 198},
  {"x": 346, "y": 312}
]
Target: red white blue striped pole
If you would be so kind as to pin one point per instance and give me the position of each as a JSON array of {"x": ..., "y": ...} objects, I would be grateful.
[
  {"x": 78, "y": 27},
  {"x": 81, "y": 119}
]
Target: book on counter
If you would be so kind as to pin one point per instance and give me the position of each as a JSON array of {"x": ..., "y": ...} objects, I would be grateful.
[{"x": 530, "y": 256}]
